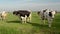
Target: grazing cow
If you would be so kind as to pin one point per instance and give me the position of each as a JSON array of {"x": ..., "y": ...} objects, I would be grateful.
[
  {"x": 24, "y": 15},
  {"x": 47, "y": 15},
  {"x": 3, "y": 15}
]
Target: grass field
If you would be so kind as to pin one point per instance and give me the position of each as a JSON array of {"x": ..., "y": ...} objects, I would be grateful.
[{"x": 12, "y": 25}]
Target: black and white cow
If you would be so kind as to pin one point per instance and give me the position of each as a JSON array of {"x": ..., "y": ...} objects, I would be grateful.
[
  {"x": 25, "y": 15},
  {"x": 47, "y": 15}
]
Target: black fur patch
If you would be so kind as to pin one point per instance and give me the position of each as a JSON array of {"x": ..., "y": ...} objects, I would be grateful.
[
  {"x": 22, "y": 13},
  {"x": 44, "y": 10},
  {"x": 43, "y": 14},
  {"x": 50, "y": 14}
]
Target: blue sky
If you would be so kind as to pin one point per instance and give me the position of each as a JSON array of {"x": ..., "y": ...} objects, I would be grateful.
[{"x": 29, "y": 4}]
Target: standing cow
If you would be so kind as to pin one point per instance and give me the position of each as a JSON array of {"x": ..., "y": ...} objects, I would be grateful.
[
  {"x": 24, "y": 15},
  {"x": 47, "y": 15},
  {"x": 3, "y": 15}
]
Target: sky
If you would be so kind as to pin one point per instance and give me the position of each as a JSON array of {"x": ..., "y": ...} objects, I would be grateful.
[{"x": 29, "y": 4}]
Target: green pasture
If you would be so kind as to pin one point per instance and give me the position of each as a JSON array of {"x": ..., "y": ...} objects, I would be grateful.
[{"x": 12, "y": 25}]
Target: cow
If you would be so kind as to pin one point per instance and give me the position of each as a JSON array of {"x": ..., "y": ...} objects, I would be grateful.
[
  {"x": 25, "y": 15},
  {"x": 48, "y": 15},
  {"x": 3, "y": 15}
]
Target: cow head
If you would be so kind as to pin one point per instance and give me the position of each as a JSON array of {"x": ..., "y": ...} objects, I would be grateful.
[
  {"x": 15, "y": 12},
  {"x": 52, "y": 14}
]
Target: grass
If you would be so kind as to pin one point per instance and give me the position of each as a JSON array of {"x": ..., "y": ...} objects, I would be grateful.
[{"x": 12, "y": 25}]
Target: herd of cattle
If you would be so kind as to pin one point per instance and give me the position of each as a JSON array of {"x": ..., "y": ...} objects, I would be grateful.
[{"x": 25, "y": 15}]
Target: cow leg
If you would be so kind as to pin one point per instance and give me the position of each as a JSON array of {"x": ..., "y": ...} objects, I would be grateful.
[
  {"x": 44, "y": 21},
  {"x": 2, "y": 17},
  {"x": 25, "y": 18},
  {"x": 49, "y": 22},
  {"x": 29, "y": 18},
  {"x": 22, "y": 19}
]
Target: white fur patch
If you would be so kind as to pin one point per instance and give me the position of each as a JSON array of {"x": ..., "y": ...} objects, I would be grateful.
[{"x": 24, "y": 19}]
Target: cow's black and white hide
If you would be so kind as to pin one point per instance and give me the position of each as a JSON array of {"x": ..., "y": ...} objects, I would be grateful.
[
  {"x": 47, "y": 15},
  {"x": 24, "y": 15}
]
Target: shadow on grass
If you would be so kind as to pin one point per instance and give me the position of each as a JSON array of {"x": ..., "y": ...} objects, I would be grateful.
[
  {"x": 45, "y": 28},
  {"x": 38, "y": 25},
  {"x": 13, "y": 21}
]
